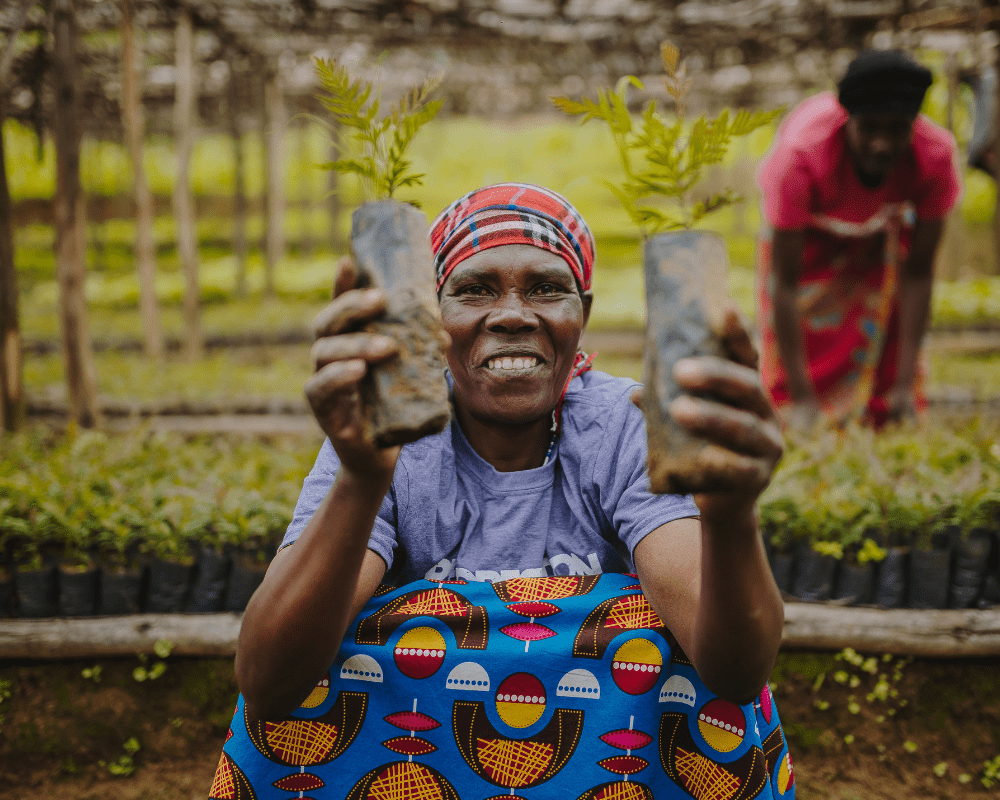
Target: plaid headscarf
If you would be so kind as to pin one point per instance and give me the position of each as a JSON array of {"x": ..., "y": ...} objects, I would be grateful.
[{"x": 512, "y": 213}]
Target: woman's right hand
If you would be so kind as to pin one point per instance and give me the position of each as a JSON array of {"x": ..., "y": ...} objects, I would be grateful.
[{"x": 341, "y": 355}]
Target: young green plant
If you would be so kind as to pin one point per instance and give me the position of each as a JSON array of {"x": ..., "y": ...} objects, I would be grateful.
[
  {"x": 663, "y": 158},
  {"x": 382, "y": 164},
  {"x": 405, "y": 397}
]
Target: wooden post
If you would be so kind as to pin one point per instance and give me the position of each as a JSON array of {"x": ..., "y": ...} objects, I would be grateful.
[
  {"x": 70, "y": 218},
  {"x": 305, "y": 193},
  {"x": 239, "y": 181},
  {"x": 274, "y": 136},
  {"x": 184, "y": 121},
  {"x": 11, "y": 363},
  {"x": 11, "y": 396},
  {"x": 145, "y": 247}
]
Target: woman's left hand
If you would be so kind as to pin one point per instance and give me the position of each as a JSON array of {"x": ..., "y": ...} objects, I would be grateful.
[{"x": 739, "y": 422}]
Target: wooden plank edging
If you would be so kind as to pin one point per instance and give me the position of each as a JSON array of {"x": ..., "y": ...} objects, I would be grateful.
[
  {"x": 104, "y": 637},
  {"x": 931, "y": 633},
  {"x": 935, "y": 634}
]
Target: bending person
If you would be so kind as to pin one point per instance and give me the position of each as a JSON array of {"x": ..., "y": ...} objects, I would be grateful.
[
  {"x": 541, "y": 471},
  {"x": 854, "y": 191}
]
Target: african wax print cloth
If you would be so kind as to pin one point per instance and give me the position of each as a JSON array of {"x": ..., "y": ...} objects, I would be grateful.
[
  {"x": 512, "y": 213},
  {"x": 556, "y": 687},
  {"x": 850, "y": 334}
]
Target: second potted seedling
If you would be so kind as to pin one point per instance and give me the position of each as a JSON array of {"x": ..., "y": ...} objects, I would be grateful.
[
  {"x": 405, "y": 397},
  {"x": 686, "y": 271}
]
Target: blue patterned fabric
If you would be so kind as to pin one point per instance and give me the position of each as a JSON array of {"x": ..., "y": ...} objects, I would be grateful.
[{"x": 559, "y": 687}]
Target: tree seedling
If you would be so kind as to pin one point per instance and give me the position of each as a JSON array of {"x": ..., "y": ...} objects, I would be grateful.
[
  {"x": 382, "y": 163},
  {"x": 664, "y": 157}
]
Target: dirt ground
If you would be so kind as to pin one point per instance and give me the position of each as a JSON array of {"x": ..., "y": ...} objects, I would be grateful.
[{"x": 860, "y": 727}]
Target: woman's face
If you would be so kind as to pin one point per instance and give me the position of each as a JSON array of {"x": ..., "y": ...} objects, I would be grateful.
[{"x": 515, "y": 317}]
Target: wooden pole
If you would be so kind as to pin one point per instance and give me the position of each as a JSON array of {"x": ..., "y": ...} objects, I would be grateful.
[
  {"x": 70, "y": 219},
  {"x": 11, "y": 360},
  {"x": 11, "y": 367},
  {"x": 277, "y": 122},
  {"x": 305, "y": 191},
  {"x": 239, "y": 181},
  {"x": 184, "y": 121},
  {"x": 145, "y": 247}
]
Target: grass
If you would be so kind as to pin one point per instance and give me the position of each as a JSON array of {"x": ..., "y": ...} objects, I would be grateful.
[
  {"x": 277, "y": 372},
  {"x": 281, "y": 372}
]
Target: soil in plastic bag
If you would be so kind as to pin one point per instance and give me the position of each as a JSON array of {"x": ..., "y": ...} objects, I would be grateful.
[
  {"x": 929, "y": 574},
  {"x": 78, "y": 593},
  {"x": 6, "y": 595},
  {"x": 37, "y": 592},
  {"x": 890, "y": 578},
  {"x": 814, "y": 574},
  {"x": 854, "y": 583},
  {"x": 245, "y": 577},
  {"x": 121, "y": 591},
  {"x": 971, "y": 555},
  {"x": 782, "y": 567},
  {"x": 208, "y": 594},
  {"x": 169, "y": 586}
]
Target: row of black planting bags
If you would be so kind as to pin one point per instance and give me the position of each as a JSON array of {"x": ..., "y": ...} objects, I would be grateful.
[
  {"x": 954, "y": 572},
  {"x": 212, "y": 583}
]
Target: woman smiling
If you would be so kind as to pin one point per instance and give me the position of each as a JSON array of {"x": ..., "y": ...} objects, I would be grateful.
[{"x": 540, "y": 473}]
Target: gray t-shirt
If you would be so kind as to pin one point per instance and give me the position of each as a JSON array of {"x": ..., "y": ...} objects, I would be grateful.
[{"x": 450, "y": 514}]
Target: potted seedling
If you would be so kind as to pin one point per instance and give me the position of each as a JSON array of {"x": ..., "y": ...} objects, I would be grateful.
[
  {"x": 6, "y": 561},
  {"x": 208, "y": 592},
  {"x": 818, "y": 554},
  {"x": 180, "y": 522},
  {"x": 902, "y": 520},
  {"x": 405, "y": 397},
  {"x": 977, "y": 521},
  {"x": 122, "y": 576},
  {"x": 252, "y": 529},
  {"x": 29, "y": 534},
  {"x": 861, "y": 551},
  {"x": 782, "y": 526},
  {"x": 663, "y": 159},
  {"x": 78, "y": 573},
  {"x": 930, "y": 556}
]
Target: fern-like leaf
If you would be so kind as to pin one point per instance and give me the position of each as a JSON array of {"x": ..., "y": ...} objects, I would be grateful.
[
  {"x": 665, "y": 158},
  {"x": 383, "y": 139}
]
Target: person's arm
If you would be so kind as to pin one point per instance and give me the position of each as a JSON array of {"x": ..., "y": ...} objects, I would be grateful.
[
  {"x": 915, "y": 283},
  {"x": 294, "y": 623},
  {"x": 786, "y": 265},
  {"x": 711, "y": 585},
  {"x": 710, "y": 581}
]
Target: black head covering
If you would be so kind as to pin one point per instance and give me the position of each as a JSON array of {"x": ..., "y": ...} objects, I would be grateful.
[{"x": 884, "y": 80}]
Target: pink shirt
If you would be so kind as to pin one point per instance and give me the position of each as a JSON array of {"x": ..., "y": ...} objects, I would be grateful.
[{"x": 807, "y": 179}]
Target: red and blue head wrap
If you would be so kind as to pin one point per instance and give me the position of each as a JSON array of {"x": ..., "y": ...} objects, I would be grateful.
[
  {"x": 516, "y": 213},
  {"x": 512, "y": 213}
]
